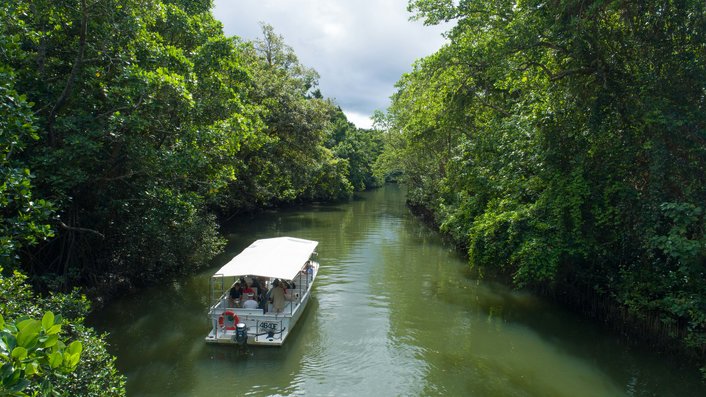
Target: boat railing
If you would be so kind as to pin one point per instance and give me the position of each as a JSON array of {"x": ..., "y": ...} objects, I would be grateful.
[
  {"x": 246, "y": 312},
  {"x": 216, "y": 288},
  {"x": 290, "y": 307}
]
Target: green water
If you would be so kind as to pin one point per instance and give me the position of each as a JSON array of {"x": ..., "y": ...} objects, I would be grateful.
[{"x": 394, "y": 313}]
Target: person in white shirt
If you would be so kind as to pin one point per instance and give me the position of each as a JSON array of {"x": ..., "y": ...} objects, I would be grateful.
[{"x": 251, "y": 303}]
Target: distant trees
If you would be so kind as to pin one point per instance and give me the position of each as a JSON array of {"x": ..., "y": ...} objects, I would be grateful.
[
  {"x": 360, "y": 147},
  {"x": 563, "y": 143},
  {"x": 286, "y": 161}
]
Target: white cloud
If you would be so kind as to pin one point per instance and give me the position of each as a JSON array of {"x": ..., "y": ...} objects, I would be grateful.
[
  {"x": 360, "y": 120},
  {"x": 359, "y": 47}
]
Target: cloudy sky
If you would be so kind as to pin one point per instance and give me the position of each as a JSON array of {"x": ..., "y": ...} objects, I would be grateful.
[{"x": 359, "y": 47}]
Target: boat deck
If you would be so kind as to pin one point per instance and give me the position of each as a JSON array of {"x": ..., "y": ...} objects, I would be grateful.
[{"x": 264, "y": 328}]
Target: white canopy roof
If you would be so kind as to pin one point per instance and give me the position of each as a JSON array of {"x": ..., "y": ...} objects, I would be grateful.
[{"x": 280, "y": 257}]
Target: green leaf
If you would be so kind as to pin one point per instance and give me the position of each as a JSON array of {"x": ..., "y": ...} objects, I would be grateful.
[
  {"x": 9, "y": 375},
  {"x": 71, "y": 360},
  {"x": 33, "y": 368},
  {"x": 48, "y": 320},
  {"x": 20, "y": 353},
  {"x": 49, "y": 340},
  {"x": 2, "y": 320},
  {"x": 59, "y": 346},
  {"x": 19, "y": 386},
  {"x": 55, "y": 359},
  {"x": 24, "y": 323},
  {"x": 75, "y": 347},
  {"x": 5, "y": 372},
  {"x": 54, "y": 329},
  {"x": 10, "y": 341},
  {"x": 29, "y": 333}
]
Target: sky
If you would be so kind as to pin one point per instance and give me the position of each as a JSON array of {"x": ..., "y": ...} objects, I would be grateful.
[{"x": 360, "y": 48}]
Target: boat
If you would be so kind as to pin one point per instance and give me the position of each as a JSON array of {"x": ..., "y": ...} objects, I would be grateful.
[{"x": 288, "y": 263}]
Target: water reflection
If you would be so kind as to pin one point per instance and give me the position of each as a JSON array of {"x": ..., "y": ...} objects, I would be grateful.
[{"x": 394, "y": 313}]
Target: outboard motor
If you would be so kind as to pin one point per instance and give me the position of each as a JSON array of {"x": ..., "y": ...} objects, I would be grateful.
[{"x": 241, "y": 334}]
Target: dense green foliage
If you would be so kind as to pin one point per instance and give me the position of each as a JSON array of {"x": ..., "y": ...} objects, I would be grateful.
[
  {"x": 126, "y": 127},
  {"x": 287, "y": 162},
  {"x": 22, "y": 217},
  {"x": 359, "y": 147},
  {"x": 563, "y": 142},
  {"x": 30, "y": 348},
  {"x": 140, "y": 121},
  {"x": 57, "y": 355}
]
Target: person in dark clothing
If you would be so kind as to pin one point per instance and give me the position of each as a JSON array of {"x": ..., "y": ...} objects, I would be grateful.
[{"x": 235, "y": 293}]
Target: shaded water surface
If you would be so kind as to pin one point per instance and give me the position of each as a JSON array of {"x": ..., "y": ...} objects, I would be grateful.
[{"x": 394, "y": 313}]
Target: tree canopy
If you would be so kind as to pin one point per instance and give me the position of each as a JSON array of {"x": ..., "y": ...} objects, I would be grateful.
[
  {"x": 129, "y": 126},
  {"x": 562, "y": 142},
  {"x": 126, "y": 129}
]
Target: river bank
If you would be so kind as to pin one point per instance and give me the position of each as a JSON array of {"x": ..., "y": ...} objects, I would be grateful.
[{"x": 635, "y": 329}]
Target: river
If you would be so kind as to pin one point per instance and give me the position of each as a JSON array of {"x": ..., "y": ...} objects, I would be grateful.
[{"x": 395, "y": 312}]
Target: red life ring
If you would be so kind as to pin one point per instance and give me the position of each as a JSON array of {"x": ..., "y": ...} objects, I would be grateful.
[{"x": 224, "y": 321}]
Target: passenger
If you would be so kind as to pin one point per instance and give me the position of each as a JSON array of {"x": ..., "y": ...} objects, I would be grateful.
[
  {"x": 257, "y": 288},
  {"x": 263, "y": 304},
  {"x": 251, "y": 303},
  {"x": 262, "y": 289},
  {"x": 268, "y": 294},
  {"x": 277, "y": 294},
  {"x": 234, "y": 295},
  {"x": 248, "y": 290},
  {"x": 264, "y": 295}
]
